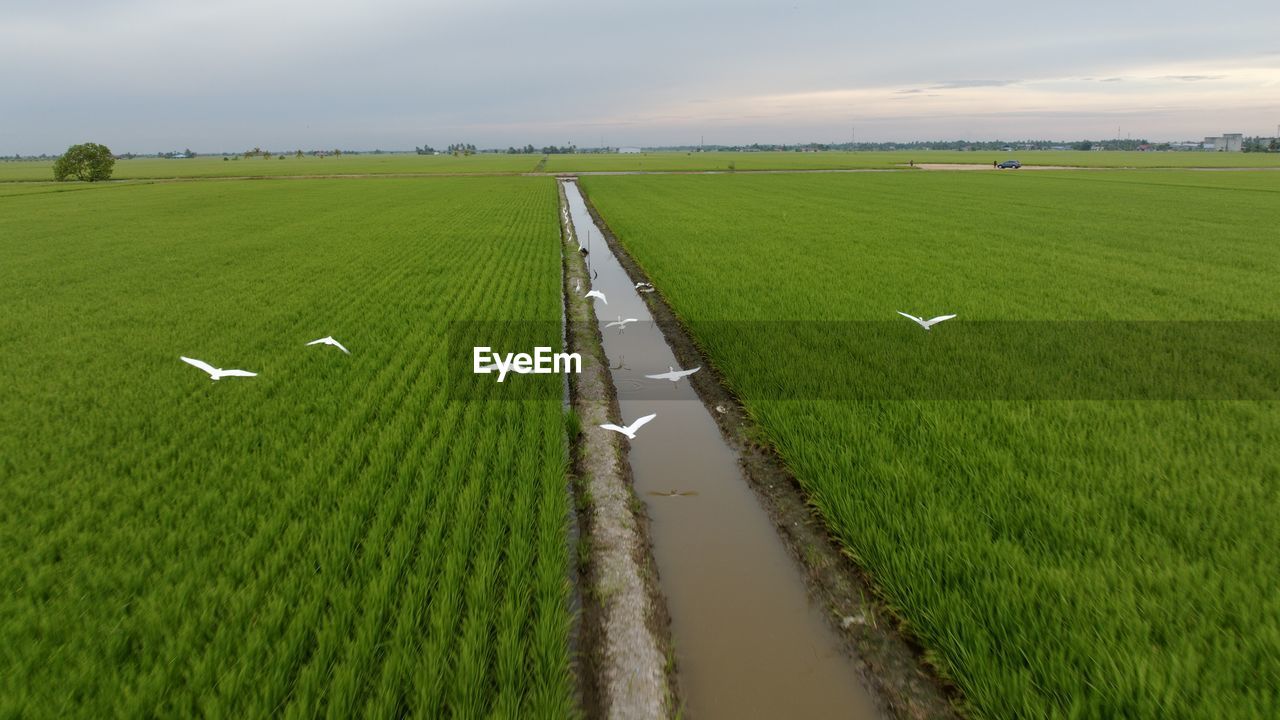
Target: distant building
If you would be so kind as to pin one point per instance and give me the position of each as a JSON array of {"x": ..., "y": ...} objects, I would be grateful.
[
  {"x": 628, "y": 150},
  {"x": 1228, "y": 142}
]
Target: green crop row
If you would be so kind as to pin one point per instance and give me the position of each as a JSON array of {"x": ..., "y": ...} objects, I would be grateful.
[
  {"x": 341, "y": 535},
  {"x": 490, "y": 163},
  {"x": 1057, "y": 558}
]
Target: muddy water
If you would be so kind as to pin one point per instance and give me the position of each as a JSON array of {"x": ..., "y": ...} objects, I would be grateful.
[{"x": 749, "y": 642}]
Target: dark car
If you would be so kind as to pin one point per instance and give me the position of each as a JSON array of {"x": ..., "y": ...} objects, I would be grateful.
[{"x": 1009, "y": 165}]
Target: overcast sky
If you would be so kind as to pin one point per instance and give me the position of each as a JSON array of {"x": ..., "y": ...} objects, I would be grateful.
[{"x": 213, "y": 75}]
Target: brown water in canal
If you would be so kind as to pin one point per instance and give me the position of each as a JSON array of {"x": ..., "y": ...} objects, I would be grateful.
[{"x": 749, "y": 642}]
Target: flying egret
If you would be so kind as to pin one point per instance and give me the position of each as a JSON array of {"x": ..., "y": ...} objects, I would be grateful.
[
  {"x": 216, "y": 373},
  {"x": 621, "y": 324},
  {"x": 926, "y": 324},
  {"x": 330, "y": 341},
  {"x": 674, "y": 375},
  {"x": 597, "y": 293},
  {"x": 630, "y": 430}
]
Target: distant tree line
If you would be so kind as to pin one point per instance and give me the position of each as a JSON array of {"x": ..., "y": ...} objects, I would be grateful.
[
  {"x": 986, "y": 145},
  {"x": 462, "y": 149},
  {"x": 1255, "y": 144},
  {"x": 1261, "y": 144}
]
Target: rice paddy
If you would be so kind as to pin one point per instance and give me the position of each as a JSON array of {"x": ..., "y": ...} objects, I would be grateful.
[
  {"x": 1056, "y": 556},
  {"x": 385, "y": 534},
  {"x": 340, "y": 535},
  {"x": 288, "y": 165},
  {"x": 213, "y": 166}
]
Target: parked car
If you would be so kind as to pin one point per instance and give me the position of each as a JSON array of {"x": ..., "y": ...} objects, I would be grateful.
[{"x": 1009, "y": 165}]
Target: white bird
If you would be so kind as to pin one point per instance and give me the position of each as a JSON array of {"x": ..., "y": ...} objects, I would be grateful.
[
  {"x": 577, "y": 286},
  {"x": 926, "y": 324},
  {"x": 620, "y": 324},
  {"x": 630, "y": 430},
  {"x": 216, "y": 373},
  {"x": 597, "y": 293},
  {"x": 643, "y": 284},
  {"x": 330, "y": 341},
  {"x": 674, "y": 375}
]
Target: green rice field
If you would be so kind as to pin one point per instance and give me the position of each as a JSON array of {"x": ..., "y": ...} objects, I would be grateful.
[
  {"x": 748, "y": 161},
  {"x": 365, "y": 164},
  {"x": 375, "y": 535},
  {"x": 1057, "y": 557},
  {"x": 339, "y": 536},
  {"x": 491, "y": 163}
]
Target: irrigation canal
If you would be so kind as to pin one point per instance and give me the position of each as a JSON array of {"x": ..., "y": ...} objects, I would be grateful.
[{"x": 749, "y": 641}]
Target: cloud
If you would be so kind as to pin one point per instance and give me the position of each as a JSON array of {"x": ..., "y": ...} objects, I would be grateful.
[
  {"x": 148, "y": 75},
  {"x": 962, "y": 84}
]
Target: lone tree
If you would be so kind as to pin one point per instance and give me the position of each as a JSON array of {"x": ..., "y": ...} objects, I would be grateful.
[{"x": 88, "y": 162}]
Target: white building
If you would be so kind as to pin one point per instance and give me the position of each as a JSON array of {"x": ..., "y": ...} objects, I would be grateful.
[
  {"x": 1228, "y": 142},
  {"x": 628, "y": 150}
]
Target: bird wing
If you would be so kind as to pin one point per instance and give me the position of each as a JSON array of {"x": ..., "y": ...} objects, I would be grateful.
[
  {"x": 615, "y": 428},
  {"x": 913, "y": 317},
  {"x": 684, "y": 373},
  {"x": 321, "y": 340},
  {"x": 238, "y": 373},
  {"x": 662, "y": 376},
  {"x": 640, "y": 422},
  {"x": 940, "y": 318},
  {"x": 339, "y": 345},
  {"x": 200, "y": 364},
  {"x": 630, "y": 320}
]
